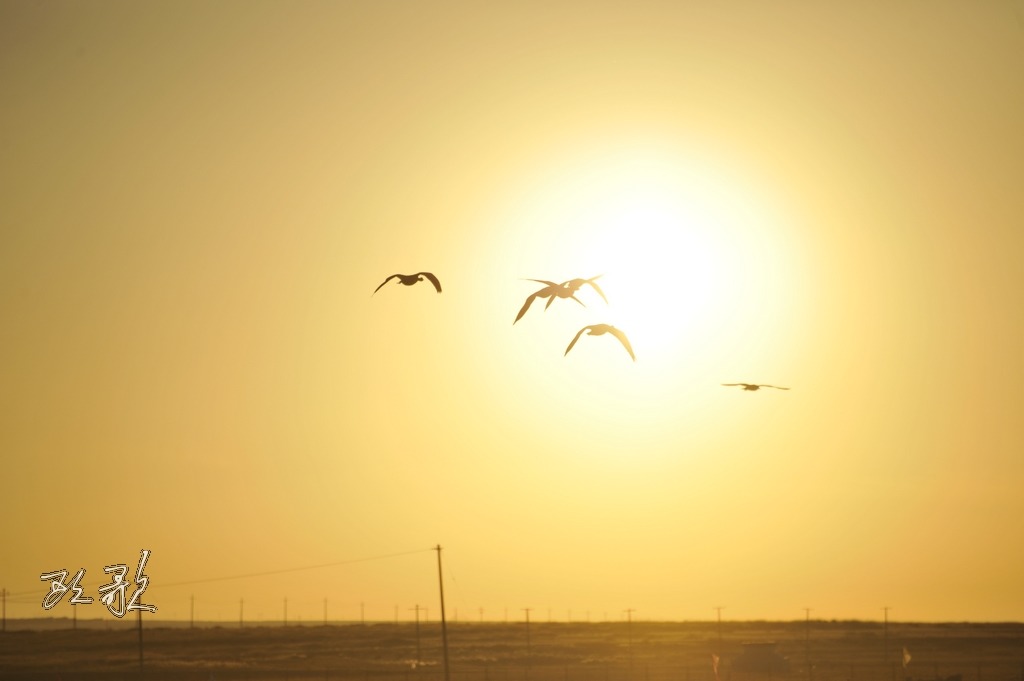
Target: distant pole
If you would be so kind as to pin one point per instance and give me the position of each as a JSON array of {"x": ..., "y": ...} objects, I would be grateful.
[
  {"x": 285, "y": 620},
  {"x": 4, "y": 592},
  {"x": 527, "y": 611},
  {"x": 444, "y": 625},
  {"x": 629, "y": 638},
  {"x": 140, "y": 640},
  {"x": 74, "y": 618},
  {"x": 719, "y": 609},
  {"x": 362, "y": 613},
  {"x": 885, "y": 635},
  {"x": 417, "y": 609},
  {"x": 481, "y": 615},
  {"x": 325, "y": 612},
  {"x": 191, "y": 611},
  {"x": 241, "y": 603},
  {"x": 807, "y": 642}
]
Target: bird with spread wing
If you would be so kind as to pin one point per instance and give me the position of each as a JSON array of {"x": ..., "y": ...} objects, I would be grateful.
[
  {"x": 410, "y": 279},
  {"x": 755, "y": 386},
  {"x": 576, "y": 284},
  {"x": 551, "y": 290},
  {"x": 600, "y": 330}
]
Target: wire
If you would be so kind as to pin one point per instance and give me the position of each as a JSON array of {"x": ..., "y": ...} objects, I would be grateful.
[
  {"x": 294, "y": 569},
  {"x": 17, "y": 596}
]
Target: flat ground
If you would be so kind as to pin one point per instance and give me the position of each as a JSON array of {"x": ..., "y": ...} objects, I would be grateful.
[{"x": 619, "y": 651}]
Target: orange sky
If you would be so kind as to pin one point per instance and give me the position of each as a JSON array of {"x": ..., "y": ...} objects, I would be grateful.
[{"x": 199, "y": 199}]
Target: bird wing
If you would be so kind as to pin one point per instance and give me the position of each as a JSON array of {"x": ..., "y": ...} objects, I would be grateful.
[
  {"x": 551, "y": 299},
  {"x": 526, "y": 306},
  {"x": 575, "y": 338},
  {"x": 622, "y": 339},
  {"x": 597, "y": 288},
  {"x": 777, "y": 387},
  {"x": 731, "y": 384},
  {"x": 544, "y": 281},
  {"x": 384, "y": 282},
  {"x": 433, "y": 280}
]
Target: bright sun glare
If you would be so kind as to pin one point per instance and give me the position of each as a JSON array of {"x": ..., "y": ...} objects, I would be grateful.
[{"x": 693, "y": 265}]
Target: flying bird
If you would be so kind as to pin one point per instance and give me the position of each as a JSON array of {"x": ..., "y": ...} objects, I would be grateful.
[
  {"x": 410, "y": 279},
  {"x": 567, "y": 289},
  {"x": 756, "y": 386},
  {"x": 550, "y": 291},
  {"x": 576, "y": 284},
  {"x": 600, "y": 330}
]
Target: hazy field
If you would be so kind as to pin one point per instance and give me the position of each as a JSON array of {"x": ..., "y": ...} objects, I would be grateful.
[{"x": 619, "y": 651}]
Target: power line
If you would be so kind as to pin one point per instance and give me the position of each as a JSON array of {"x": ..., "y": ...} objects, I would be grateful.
[
  {"x": 294, "y": 569},
  {"x": 19, "y": 597}
]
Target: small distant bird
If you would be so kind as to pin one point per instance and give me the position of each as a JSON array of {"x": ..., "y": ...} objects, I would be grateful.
[
  {"x": 756, "y": 386},
  {"x": 599, "y": 330},
  {"x": 410, "y": 279},
  {"x": 550, "y": 291}
]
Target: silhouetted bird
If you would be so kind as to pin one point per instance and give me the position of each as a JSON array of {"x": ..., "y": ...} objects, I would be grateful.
[
  {"x": 755, "y": 386},
  {"x": 551, "y": 291},
  {"x": 575, "y": 285},
  {"x": 599, "y": 330},
  {"x": 567, "y": 289},
  {"x": 410, "y": 279}
]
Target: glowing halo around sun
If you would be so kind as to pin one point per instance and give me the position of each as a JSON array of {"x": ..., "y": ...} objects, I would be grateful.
[{"x": 697, "y": 268}]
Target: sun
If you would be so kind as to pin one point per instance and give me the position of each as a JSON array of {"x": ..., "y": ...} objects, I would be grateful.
[{"x": 695, "y": 266}]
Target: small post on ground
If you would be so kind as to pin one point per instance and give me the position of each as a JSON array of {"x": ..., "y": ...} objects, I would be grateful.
[
  {"x": 807, "y": 642},
  {"x": 885, "y": 635},
  {"x": 141, "y": 671}
]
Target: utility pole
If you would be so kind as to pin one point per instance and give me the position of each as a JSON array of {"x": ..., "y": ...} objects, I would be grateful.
[
  {"x": 885, "y": 635},
  {"x": 362, "y": 613},
  {"x": 418, "y": 658},
  {"x": 285, "y": 620},
  {"x": 629, "y": 638},
  {"x": 719, "y": 609},
  {"x": 444, "y": 625},
  {"x": 140, "y": 641},
  {"x": 325, "y": 612},
  {"x": 527, "y": 611},
  {"x": 807, "y": 642},
  {"x": 241, "y": 603},
  {"x": 191, "y": 611},
  {"x": 4, "y": 593}
]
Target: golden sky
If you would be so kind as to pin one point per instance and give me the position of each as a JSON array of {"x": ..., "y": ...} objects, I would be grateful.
[{"x": 198, "y": 200}]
